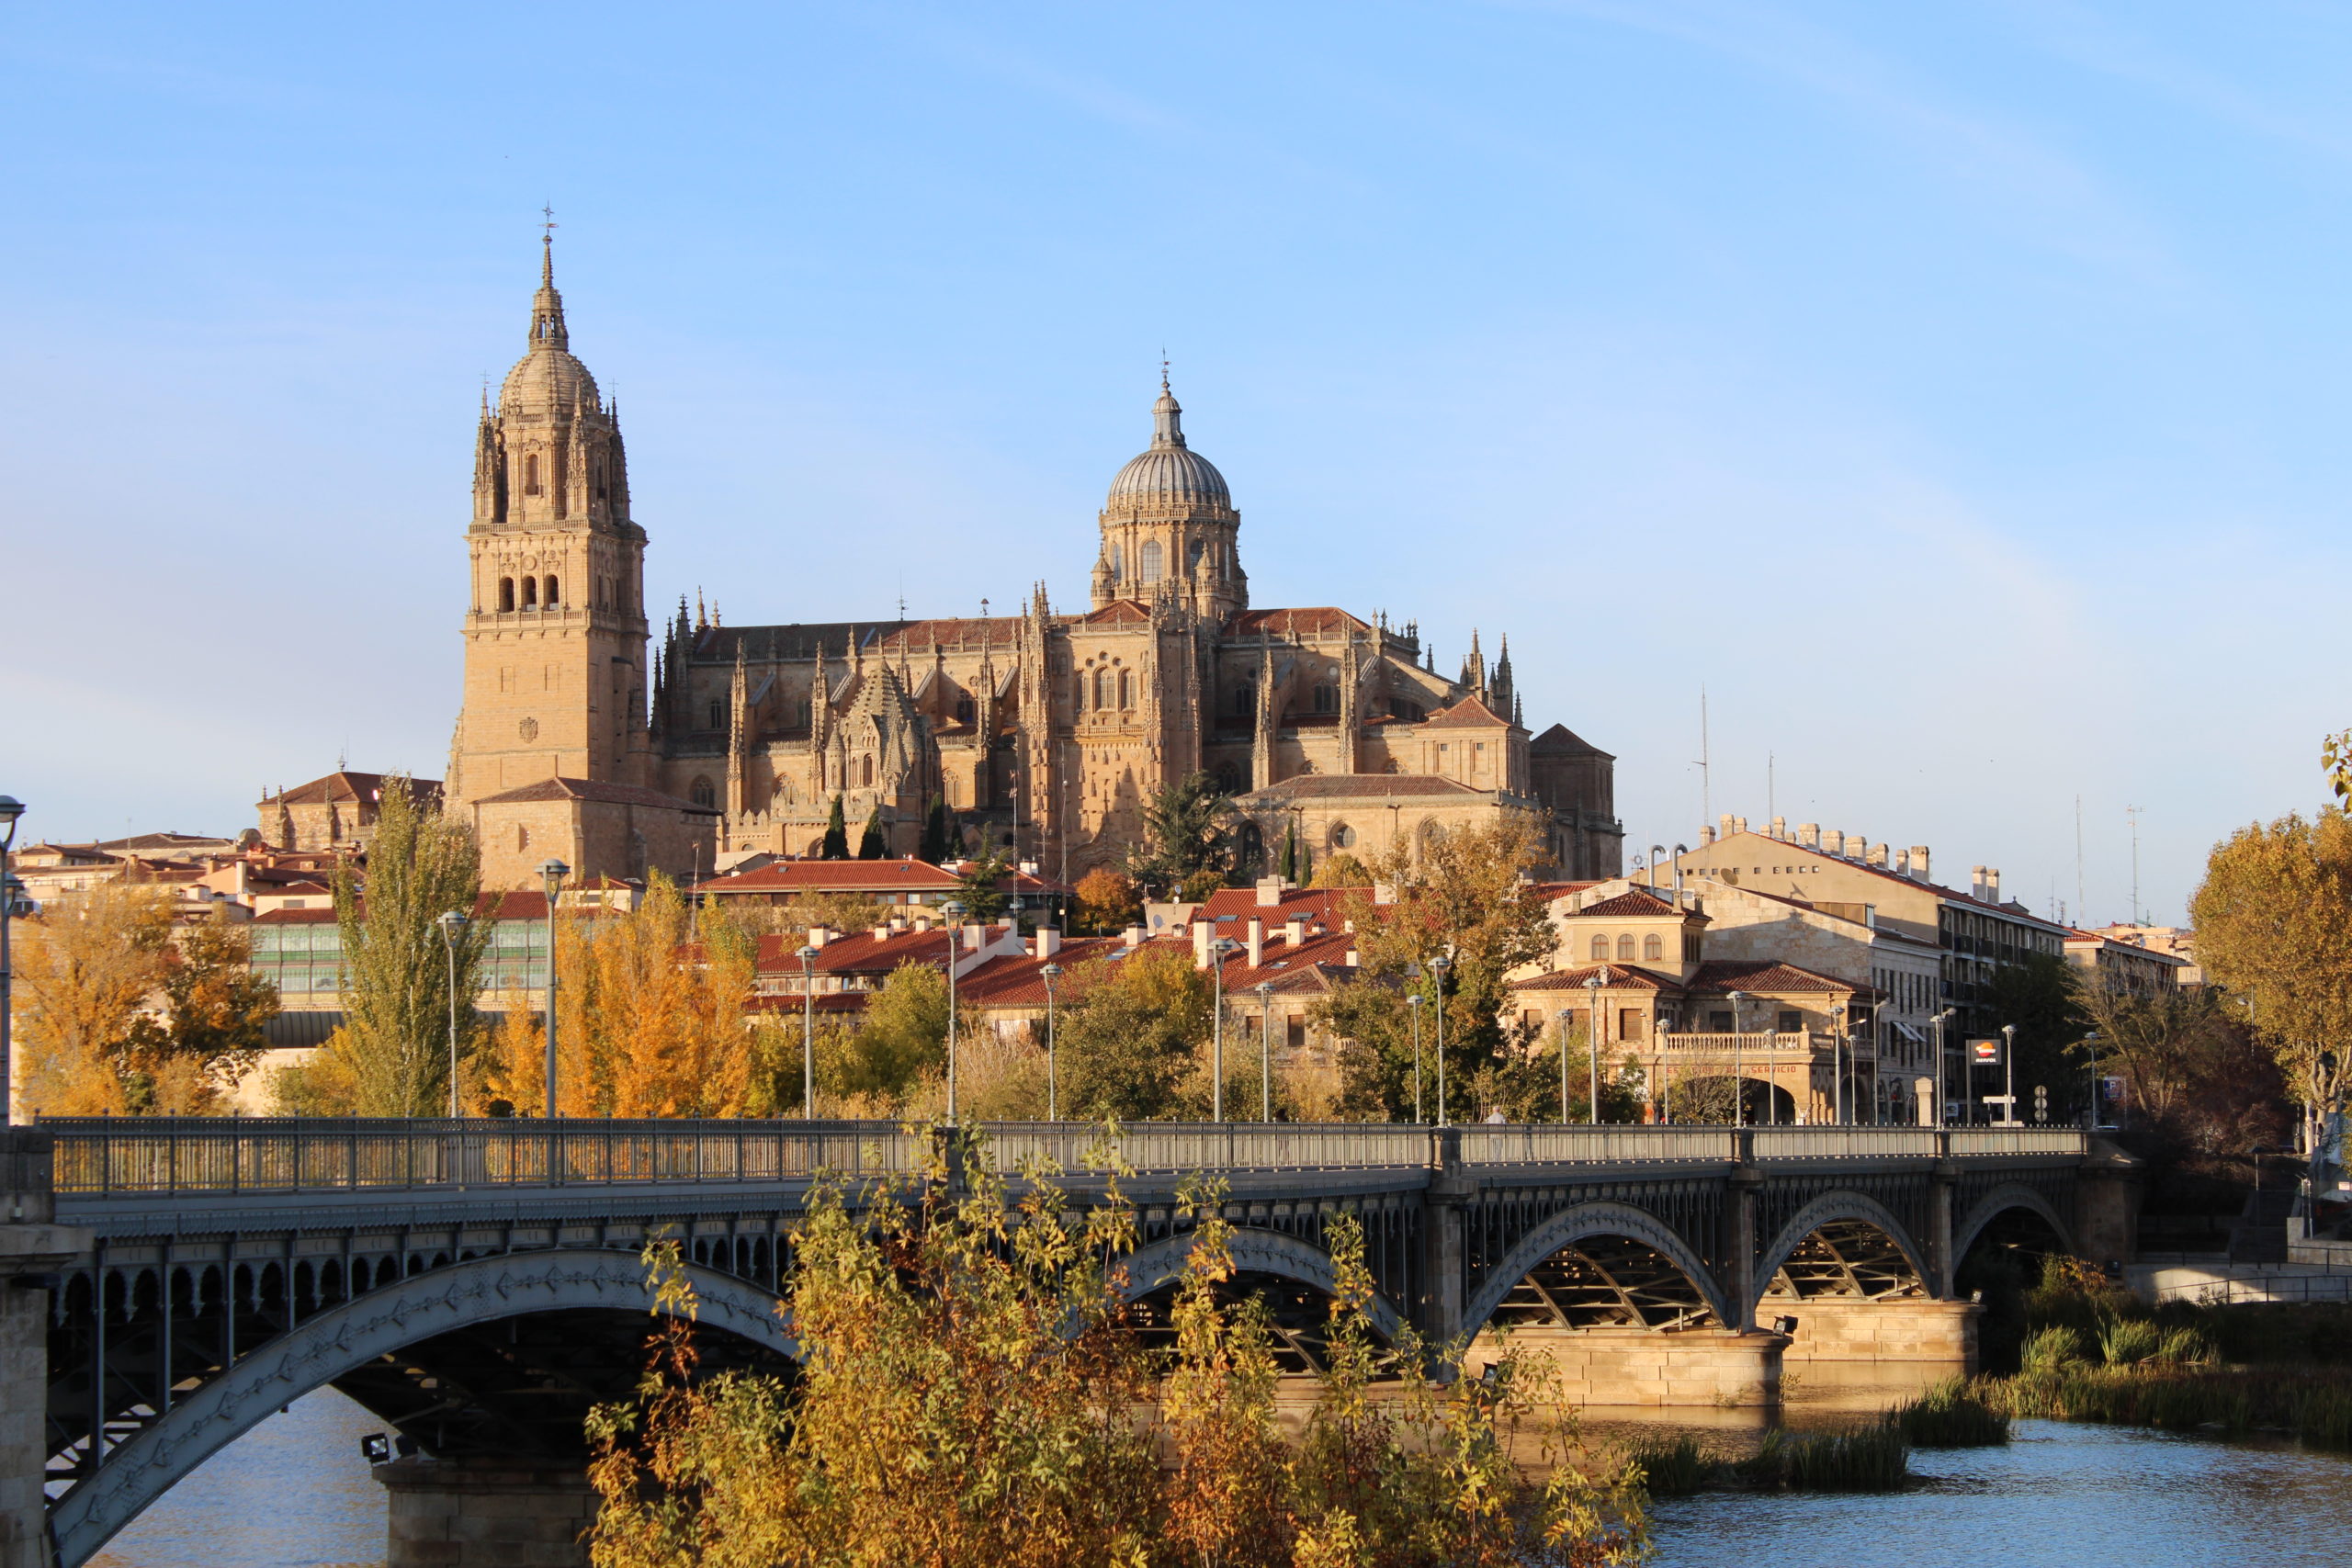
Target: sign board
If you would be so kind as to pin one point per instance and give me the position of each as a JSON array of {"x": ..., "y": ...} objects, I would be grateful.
[{"x": 1985, "y": 1051}]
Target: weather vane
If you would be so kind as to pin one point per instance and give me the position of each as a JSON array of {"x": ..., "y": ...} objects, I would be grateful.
[{"x": 549, "y": 213}]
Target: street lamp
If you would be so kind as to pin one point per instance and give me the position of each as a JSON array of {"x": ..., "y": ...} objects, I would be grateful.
[
  {"x": 1592, "y": 1040},
  {"x": 1566, "y": 1014},
  {"x": 2090, "y": 1107},
  {"x": 1438, "y": 966},
  {"x": 10, "y": 809},
  {"x": 807, "y": 956},
  {"x": 551, "y": 875},
  {"x": 1837, "y": 1061},
  {"x": 1217, "y": 952},
  {"x": 1942, "y": 1101},
  {"x": 1265, "y": 1051},
  {"x": 1739, "y": 1086},
  {"x": 453, "y": 925},
  {"x": 955, "y": 912},
  {"x": 1052, "y": 972},
  {"x": 1413, "y": 1003},
  {"x": 2010, "y": 1073}
]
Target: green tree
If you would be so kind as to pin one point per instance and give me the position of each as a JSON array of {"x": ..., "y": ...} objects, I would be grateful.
[
  {"x": 1188, "y": 837},
  {"x": 871, "y": 842},
  {"x": 981, "y": 886},
  {"x": 1129, "y": 1031},
  {"x": 2043, "y": 996},
  {"x": 903, "y": 1038},
  {"x": 940, "y": 839},
  {"x": 1289, "y": 868},
  {"x": 836, "y": 841},
  {"x": 396, "y": 995},
  {"x": 2274, "y": 925}
]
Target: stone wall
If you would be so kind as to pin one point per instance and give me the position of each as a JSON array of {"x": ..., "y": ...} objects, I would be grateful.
[
  {"x": 486, "y": 1514},
  {"x": 1706, "y": 1366},
  {"x": 1901, "y": 1335},
  {"x": 31, "y": 1245}
]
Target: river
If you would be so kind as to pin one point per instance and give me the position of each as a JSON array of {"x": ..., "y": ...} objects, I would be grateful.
[{"x": 295, "y": 1493}]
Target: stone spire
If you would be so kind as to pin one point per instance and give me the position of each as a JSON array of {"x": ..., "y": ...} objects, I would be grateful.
[
  {"x": 1503, "y": 691},
  {"x": 547, "y": 304}
]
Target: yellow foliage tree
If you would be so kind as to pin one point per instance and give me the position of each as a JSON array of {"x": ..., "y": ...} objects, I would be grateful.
[{"x": 85, "y": 968}]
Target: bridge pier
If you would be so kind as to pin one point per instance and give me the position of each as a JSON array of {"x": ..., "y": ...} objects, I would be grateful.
[
  {"x": 32, "y": 1248},
  {"x": 2107, "y": 1205},
  {"x": 1897, "y": 1340},
  {"x": 1708, "y": 1368},
  {"x": 486, "y": 1513}
]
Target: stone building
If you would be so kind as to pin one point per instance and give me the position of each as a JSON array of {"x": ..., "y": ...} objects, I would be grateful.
[
  {"x": 332, "y": 813},
  {"x": 1046, "y": 729}
]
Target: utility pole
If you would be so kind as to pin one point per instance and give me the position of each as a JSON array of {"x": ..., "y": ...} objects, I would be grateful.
[
  {"x": 2082, "y": 905},
  {"x": 1706, "y": 777},
  {"x": 2134, "y": 813}
]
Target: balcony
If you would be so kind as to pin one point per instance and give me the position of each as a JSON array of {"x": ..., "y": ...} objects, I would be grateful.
[{"x": 1757, "y": 1046}]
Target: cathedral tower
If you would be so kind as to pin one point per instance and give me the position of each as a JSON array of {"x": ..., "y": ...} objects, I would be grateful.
[
  {"x": 555, "y": 632},
  {"x": 1170, "y": 527}
]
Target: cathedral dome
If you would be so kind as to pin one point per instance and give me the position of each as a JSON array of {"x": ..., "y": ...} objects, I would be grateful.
[{"x": 1170, "y": 473}]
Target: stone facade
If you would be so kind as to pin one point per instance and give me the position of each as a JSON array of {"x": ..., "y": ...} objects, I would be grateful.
[
  {"x": 31, "y": 1245},
  {"x": 1045, "y": 729},
  {"x": 1717, "y": 1368}
]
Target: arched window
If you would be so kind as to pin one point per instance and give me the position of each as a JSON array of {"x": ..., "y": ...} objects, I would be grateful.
[
  {"x": 1600, "y": 950},
  {"x": 531, "y": 474},
  {"x": 1126, "y": 690},
  {"x": 701, "y": 794},
  {"x": 717, "y": 715},
  {"x": 966, "y": 710},
  {"x": 1078, "y": 691},
  {"x": 1228, "y": 779},
  {"x": 530, "y": 593},
  {"x": 1653, "y": 948},
  {"x": 802, "y": 713},
  {"x": 1150, "y": 572},
  {"x": 1327, "y": 699},
  {"x": 505, "y": 592},
  {"x": 1245, "y": 699},
  {"x": 1342, "y": 835},
  {"x": 1118, "y": 560},
  {"x": 865, "y": 772},
  {"x": 1625, "y": 947},
  {"x": 1102, "y": 687},
  {"x": 600, "y": 479},
  {"x": 551, "y": 596},
  {"x": 1193, "y": 555}
]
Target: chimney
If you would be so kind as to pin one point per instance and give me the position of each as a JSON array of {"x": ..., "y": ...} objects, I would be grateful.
[
  {"x": 1857, "y": 846},
  {"x": 1920, "y": 862},
  {"x": 1992, "y": 885},
  {"x": 1295, "y": 930},
  {"x": 1706, "y": 835},
  {"x": 1977, "y": 882},
  {"x": 1384, "y": 893},
  {"x": 972, "y": 935},
  {"x": 1269, "y": 890},
  {"x": 1353, "y": 959},
  {"x": 1834, "y": 841},
  {"x": 1809, "y": 835},
  {"x": 1877, "y": 856},
  {"x": 818, "y": 936},
  {"x": 922, "y": 922},
  {"x": 1050, "y": 942},
  {"x": 1132, "y": 936},
  {"x": 1780, "y": 827},
  {"x": 1724, "y": 824},
  {"x": 1256, "y": 939},
  {"x": 1203, "y": 933},
  {"x": 1902, "y": 864}
]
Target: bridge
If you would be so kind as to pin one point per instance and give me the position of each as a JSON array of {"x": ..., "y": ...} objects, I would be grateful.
[{"x": 476, "y": 1284}]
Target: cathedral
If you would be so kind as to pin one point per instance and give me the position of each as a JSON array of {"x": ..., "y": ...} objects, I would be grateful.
[{"x": 588, "y": 736}]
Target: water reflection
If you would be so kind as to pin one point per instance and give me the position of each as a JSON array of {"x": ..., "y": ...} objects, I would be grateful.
[
  {"x": 292, "y": 1493},
  {"x": 2060, "y": 1496}
]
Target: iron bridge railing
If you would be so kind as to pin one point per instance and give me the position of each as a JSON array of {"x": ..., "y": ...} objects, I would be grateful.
[{"x": 161, "y": 1155}]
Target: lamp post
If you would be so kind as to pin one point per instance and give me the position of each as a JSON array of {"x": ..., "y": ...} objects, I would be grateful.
[
  {"x": 452, "y": 923},
  {"x": 1593, "y": 1041},
  {"x": 807, "y": 956},
  {"x": 1413, "y": 1004},
  {"x": 2090, "y": 1106},
  {"x": 1739, "y": 1086},
  {"x": 1052, "y": 972},
  {"x": 2010, "y": 1073},
  {"x": 1564, "y": 1014},
  {"x": 955, "y": 912},
  {"x": 11, "y": 809},
  {"x": 1217, "y": 952},
  {"x": 551, "y": 875},
  {"x": 1265, "y": 1050},
  {"x": 1438, "y": 967},
  {"x": 1942, "y": 1098},
  {"x": 1837, "y": 1061}
]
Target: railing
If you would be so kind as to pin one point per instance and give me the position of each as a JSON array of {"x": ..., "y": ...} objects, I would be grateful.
[
  {"x": 2257, "y": 1290},
  {"x": 161, "y": 1155},
  {"x": 1757, "y": 1045}
]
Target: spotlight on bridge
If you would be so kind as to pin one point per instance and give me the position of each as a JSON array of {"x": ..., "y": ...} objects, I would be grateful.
[
  {"x": 1787, "y": 1326},
  {"x": 376, "y": 1447}
]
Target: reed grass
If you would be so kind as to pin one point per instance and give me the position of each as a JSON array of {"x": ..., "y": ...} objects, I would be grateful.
[
  {"x": 1674, "y": 1466},
  {"x": 1954, "y": 1413}
]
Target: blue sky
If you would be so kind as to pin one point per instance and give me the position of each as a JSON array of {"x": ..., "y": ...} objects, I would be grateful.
[{"x": 1954, "y": 392}]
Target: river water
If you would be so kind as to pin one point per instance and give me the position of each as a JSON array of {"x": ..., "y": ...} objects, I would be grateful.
[{"x": 295, "y": 1493}]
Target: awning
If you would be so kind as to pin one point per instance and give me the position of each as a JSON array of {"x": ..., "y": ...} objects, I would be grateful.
[{"x": 1911, "y": 1033}]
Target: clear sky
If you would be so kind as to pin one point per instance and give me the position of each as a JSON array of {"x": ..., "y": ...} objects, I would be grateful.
[{"x": 1955, "y": 392}]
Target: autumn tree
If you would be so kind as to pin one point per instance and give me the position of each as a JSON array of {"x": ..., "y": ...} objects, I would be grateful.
[
  {"x": 1128, "y": 1032},
  {"x": 1107, "y": 903},
  {"x": 1464, "y": 898},
  {"x": 2274, "y": 925},
  {"x": 393, "y": 1049},
  {"x": 840, "y": 911},
  {"x": 86, "y": 968},
  {"x": 216, "y": 1010}
]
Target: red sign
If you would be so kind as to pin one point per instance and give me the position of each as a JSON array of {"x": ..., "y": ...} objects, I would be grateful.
[{"x": 1987, "y": 1052}]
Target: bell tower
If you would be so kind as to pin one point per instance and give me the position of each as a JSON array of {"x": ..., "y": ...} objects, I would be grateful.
[{"x": 554, "y": 627}]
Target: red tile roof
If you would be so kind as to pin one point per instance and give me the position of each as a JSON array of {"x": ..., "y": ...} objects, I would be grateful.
[
  {"x": 1615, "y": 976},
  {"x": 1366, "y": 786},
  {"x": 1316, "y": 903},
  {"x": 343, "y": 787},
  {"x": 1561, "y": 741},
  {"x": 1321, "y": 620},
  {"x": 1638, "y": 901},
  {"x": 859, "y": 953},
  {"x": 834, "y": 876},
  {"x": 1471, "y": 711},
  {"x": 954, "y": 635},
  {"x": 1752, "y": 974},
  {"x": 1118, "y": 612}
]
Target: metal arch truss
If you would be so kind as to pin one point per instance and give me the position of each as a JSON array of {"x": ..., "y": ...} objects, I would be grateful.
[
  {"x": 371, "y": 1327},
  {"x": 1845, "y": 1258},
  {"x": 1999, "y": 1199},
  {"x": 1297, "y": 1281},
  {"x": 1598, "y": 1264}
]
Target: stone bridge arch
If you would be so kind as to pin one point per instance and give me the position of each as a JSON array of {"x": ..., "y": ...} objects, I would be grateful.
[
  {"x": 1847, "y": 1212},
  {"x": 1255, "y": 1251},
  {"x": 345, "y": 1338},
  {"x": 1585, "y": 1222},
  {"x": 2007, "y": 1196}
]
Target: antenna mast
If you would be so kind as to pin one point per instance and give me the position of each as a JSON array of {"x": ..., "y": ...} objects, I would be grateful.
[
  {"x": 2134, "y": 813},
  {"x": 1706, "y": 778}
]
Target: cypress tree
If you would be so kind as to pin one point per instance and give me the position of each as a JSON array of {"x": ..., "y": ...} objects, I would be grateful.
[
  {"x": 934, "y": 831},
  {"x": 870, "y": 842},
  {"x": 1290, "y": 853},
  {"x": 836, "y": 845}
]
